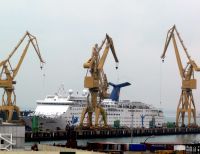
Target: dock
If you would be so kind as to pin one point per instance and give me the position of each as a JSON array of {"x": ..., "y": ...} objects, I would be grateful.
[{"x": 107, "y": 133}]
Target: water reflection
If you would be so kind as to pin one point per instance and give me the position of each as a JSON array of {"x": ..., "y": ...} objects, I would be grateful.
[{"x": 167, "y": 138}]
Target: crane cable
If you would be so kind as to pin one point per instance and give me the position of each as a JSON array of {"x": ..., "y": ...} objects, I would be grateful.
[
  {"x": 44, "y": 78},
  {"x": 161, "y": 81},
  {"x": 117, "y": 70}
]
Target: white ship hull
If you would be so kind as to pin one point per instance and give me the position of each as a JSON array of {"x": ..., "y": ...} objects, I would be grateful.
[{"x": 55, "y": 112}]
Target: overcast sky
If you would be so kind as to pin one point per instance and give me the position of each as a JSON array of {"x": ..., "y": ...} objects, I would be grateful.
[{"x": 67, "y": 31}]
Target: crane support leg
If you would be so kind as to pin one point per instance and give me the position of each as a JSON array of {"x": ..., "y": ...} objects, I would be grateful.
[
  {"x": 186, "y": 105},
  {"x": 10, "y": 114},
  {"x": 83, "y": 116},
  {"x": 183, "y": 117},
  {"x": 193, "y": 110},
  {"x": 97, "y": 112},
  {"x": 89, "y": 118},
  {"x": 177, "y": 117},
  {"x": 9, "y": 111},
  {"x": 104, "y": 116},
  {"x": 194, "y": 115}
]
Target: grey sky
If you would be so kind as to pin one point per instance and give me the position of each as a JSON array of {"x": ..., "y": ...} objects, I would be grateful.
[{"x": 67, "y": 30}]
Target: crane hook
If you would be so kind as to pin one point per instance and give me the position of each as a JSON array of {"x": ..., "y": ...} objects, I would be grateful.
[
  {"x": 116, "y": 67},
  {"x": 41, "y": 66}
]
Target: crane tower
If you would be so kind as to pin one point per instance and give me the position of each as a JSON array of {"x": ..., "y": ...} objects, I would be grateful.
[
  {"x": 8, "y": 74},
  {"x": 186, "y": 102},
  {"x": 97, "y": 83}
]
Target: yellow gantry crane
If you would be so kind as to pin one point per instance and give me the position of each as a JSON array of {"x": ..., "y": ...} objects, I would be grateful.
[
  {"x": 186, "y": 102},
  {"x": 97, "y": 82},
  {"x": 8, "y": 74}
]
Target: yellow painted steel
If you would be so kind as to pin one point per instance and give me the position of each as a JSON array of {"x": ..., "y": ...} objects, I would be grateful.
[
  {"x": 8, "y": 74},
  {"x": 97, "y": 83},
  {"x": 186, "y": 102}
]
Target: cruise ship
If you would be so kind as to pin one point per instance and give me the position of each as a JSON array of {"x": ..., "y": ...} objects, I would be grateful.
[{"x": 57, "y": 111}]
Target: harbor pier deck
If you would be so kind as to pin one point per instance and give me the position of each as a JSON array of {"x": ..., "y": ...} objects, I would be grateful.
[{"x": 107, "y": 133}]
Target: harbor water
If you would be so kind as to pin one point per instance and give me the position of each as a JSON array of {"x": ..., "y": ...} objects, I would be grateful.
[{"x": 188, "y": 138}]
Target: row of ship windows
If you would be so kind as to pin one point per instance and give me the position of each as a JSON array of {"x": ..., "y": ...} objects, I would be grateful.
[
  {"x": 109, "y": 110},
  {"x": 118, "y": 110},
  {"x": 136, "y": 124},
  {"x": 115, "y": 110},
  {"x": 107, "y": 114},
  {"x": 113, "y": 114},
  {"x": 147, "y": 118},
  {"x": 106, "y": 109},
  {"x": 138, "y": 117},
  {"x": 142, "y": 110},
  {"x": 75, "y": 113}
]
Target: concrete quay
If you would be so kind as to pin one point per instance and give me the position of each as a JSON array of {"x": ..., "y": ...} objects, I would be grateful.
[
  {"x": 12, "y": 136},
  {"x": 49, "y": 149}
]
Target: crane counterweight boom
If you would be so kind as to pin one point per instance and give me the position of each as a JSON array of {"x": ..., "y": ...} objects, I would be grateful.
[{"x": 167, "y": 41}]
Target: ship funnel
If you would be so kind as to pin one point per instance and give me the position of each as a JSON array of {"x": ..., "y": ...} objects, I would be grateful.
[{"x": 116, "y": 90}]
